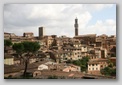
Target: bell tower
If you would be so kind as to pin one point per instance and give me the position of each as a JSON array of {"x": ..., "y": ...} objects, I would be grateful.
[{"x": 76, "y": 27}]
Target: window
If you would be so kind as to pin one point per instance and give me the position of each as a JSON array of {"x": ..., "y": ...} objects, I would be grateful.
[
  {"x": 92, "y": 68},
  {"x": 92, "y": 64}
]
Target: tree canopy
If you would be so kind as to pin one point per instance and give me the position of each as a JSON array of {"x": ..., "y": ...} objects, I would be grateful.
[
  {"x": 108, "y": 71},
  {"x": 19, "y": 48},
  {"x": 7, "y": 43},
  {"x": 31, "y": 46},
  {"x": 82, "y": 63},
  {"x": 26, "y": 50},
  {"x": 26, "y": 47}
]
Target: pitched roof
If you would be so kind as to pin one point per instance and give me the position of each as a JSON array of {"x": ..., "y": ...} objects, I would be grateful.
[
  {"x": 87, "y": 35},
  {"x": 95, "y": 61}
]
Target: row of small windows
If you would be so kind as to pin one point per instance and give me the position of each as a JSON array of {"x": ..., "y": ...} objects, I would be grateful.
[
  {"x": 93, "y": 64},
  {"x": 93, "y": 69}
]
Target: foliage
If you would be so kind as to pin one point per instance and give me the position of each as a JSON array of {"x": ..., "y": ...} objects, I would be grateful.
[
  {"x": 26, "y": 47},
  {"x": 82, "y": 63},
  {"x": 7, "y": 43},
  {"x": 18, "y": 47},
  {"x": 108, "y": 71},
  {"x": 25, "y": 51},
  {"x": 31, "y": 46},
  {"x": 111, "y": 64}
]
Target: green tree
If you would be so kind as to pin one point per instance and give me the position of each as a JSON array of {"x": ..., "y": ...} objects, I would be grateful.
[
  {"x": 7, "y": 43},
  {"x": 25, "y": 51},
  {"x": 82, "y": 63},
  {"x": 108, "y": 71},
  {"x": 19, "y": 48},
  {"x": 111, "y": 64}
]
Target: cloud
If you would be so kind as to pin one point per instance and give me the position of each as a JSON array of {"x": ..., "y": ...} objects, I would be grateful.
[
  {"x": 102, "y": 27},
  {"x": 96, "y": 7},
  {"x": 56, "y": 18}
]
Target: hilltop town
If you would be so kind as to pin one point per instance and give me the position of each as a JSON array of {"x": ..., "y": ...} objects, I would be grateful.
[{"x": 79, "y": 57}]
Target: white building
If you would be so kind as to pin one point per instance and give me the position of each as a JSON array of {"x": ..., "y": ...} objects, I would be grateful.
[
  {"x": 42, "y": 67},
  {"x": 94, "y": 66},
  {"x": 8, "y": 60}
]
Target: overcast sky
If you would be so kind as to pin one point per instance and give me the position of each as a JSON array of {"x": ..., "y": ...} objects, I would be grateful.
[{"x": 59, "y": 19}]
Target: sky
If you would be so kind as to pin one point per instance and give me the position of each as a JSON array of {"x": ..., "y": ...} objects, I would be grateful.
[{"x": 59, "y": 19}]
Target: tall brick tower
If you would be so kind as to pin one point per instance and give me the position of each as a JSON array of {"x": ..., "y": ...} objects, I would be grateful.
[
  {"x": 41, "y": 32},
  {"x": 76, "y": 27}
]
